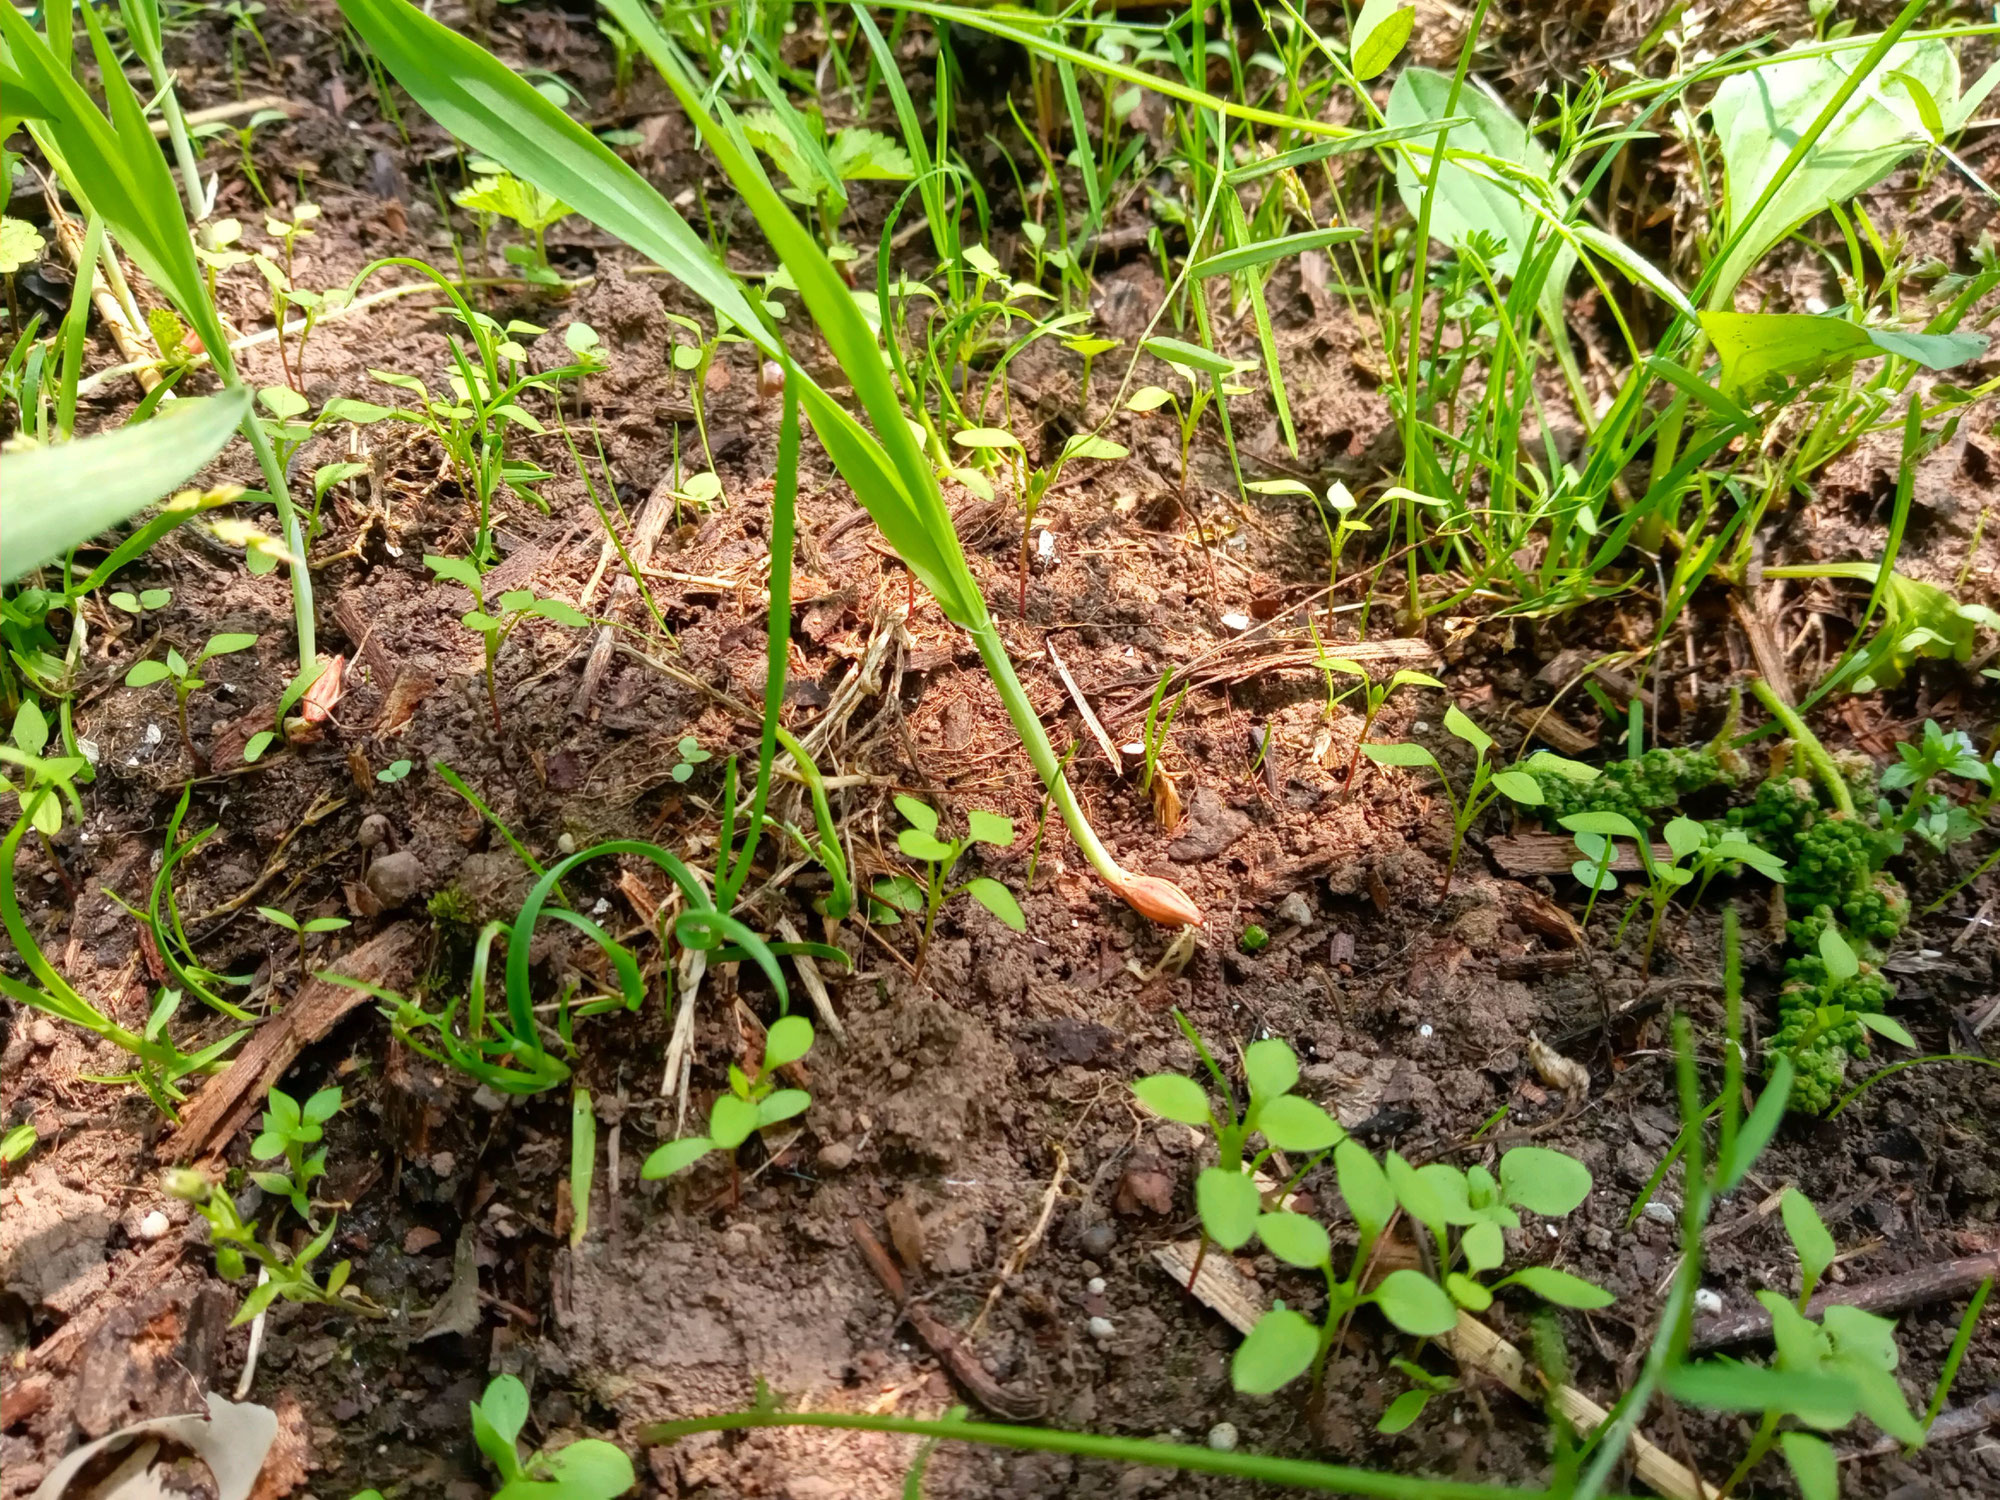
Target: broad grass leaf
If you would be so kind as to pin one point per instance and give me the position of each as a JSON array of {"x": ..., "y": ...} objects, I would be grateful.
[
  {"x": 1808, "y": 1234},
  {"x": 56, "y": 498},
  {"x": 1812, "y": 1464}
]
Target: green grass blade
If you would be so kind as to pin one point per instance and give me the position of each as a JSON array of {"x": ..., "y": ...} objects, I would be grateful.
[
  {"x": 56, "y": 498},
  {"x": 1262, "y": 254}
]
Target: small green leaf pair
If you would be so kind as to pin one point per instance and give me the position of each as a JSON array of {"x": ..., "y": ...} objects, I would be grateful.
[
  {"x": 590, "y": 1469},
  {"x": 754, "y": 1102},
  {"x": 181, "y": 673},
  {"x": 1486, "y": 783},
  {"x": 894, "y": 894},
  {"x": 494, "y": 624},
  {"x": 288, "y": 1128}
]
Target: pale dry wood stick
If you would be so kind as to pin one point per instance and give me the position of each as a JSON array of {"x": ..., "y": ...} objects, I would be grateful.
[
  {"x": 653, "y": 517},
  {"x": 1097, "y": 732},
  {"x": 102, "y": 295}
]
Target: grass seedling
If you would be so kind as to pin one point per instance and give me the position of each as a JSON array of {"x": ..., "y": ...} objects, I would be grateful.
[
  {"x": 582, "y": 1163},
  {"x": 287, "y": 1129},
  {"x": 178, "y": 670},
  {"x": 1152, "y": 741},
  {"x": 1376, "y": 694},
  {"x": 301, "y": 930},
  {"x": 1485, "y": 783},
  {"x": 285, "y": 1275},
  {"x": 920, "y": 841},
  {"x": 754, "y": 1102},
  {"x": 589, "y": 1469},
  {"x": 17, "y": 1143},
  {"x": 493, "y": 628}
]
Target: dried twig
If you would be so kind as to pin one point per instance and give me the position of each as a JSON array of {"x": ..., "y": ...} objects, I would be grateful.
[
  {"x": 1097, "y": 731},
  {"x": 1019, "y": 1259},
  {"x": 1933, "y": 1283}
]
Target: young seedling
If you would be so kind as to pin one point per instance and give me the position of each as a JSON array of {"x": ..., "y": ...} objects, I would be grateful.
[
  {"x": 286, "y": 1275},
  {"x": 1166, "y": 797},
  {"x": 1825, "y": 1374},
  {"x": 1204, "y": 372},
  {"x": 589, "y": 1469},
  {"x": 1226, "y": 1195},
  {"x": 754, "y": 1101},
  {"x": 920, "y": 841},
  {"x": 493, "y": 628},
  {"x": 1485, "y": 785},
  {"x": 1932, "y": 816},
  {"x": 1376, "y": 694},
  {"x": 140, "y": 603},
  {"x": 691, "y": 755},
  {"x": 500, "y": 195},
  {"x": 1695, "y": 851},
  {"x": 299, "y": 929},
  {"x": 287, "y": 1129},
  {"x": 181, "y": 672}
]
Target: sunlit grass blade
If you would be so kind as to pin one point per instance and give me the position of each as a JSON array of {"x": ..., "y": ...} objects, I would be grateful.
[{"x": 55, "y": 498}]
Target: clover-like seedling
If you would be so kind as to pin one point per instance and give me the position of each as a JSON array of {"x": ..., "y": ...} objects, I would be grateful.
[
  {"x": 182, "y": 674},
  {"x": 1695, "y": 851},
  {"x": 588, "y": 1469},
  {"x": 903, "y": 893},
  {"x": 46, "y": 781},
  {"x": 394, "y": 772},
  {"x": 286, "y": 1275},
  {"x": 495, "y": 625},
  {"x": 1204, "y": 371},
  {"x": 690, "y": 755},
  {"x": 287, "y": 1129},
  {"x": 1931, "y": 816},
  {"x": 300, "y": 929},
  {"x": 1485, "y": 785},
  {"x": 753, "y": 1102}
]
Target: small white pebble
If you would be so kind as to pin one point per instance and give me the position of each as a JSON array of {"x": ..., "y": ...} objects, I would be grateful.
[
  {"x": 1222, "y": 1437},
  {"x": 1660, "y": 1213},
  {"x": 152, "y": 734},
  {"x": 154, "y": 1226},
  {"x": 601, "y": 908},
  {"x": 1101, "y": 1329},
  {"x": 1135, "y": 748},
  {"x": 1554, "y": 1233},
  {"x": 566, "y": 843},
  {"x": 1707, "y": 1303},
  {"x": 1424, "y": 1030},
  {"x": 1045, "y": 545},
  {"x": 1422, "y": 726},
  {"x": 87, "y": 748},
  {"x": 1236, "y": 621},
  {"x": 1815, "y": 305},
  {"x": 1095, "y": 1286}
]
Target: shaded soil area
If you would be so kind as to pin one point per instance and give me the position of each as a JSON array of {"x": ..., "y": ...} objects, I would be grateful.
[{"x": 970, "y": 1111}]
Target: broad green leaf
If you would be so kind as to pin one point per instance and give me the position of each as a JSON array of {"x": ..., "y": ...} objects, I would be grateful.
[
  {"x": 675, "y": 1155},
  {"x": 1809, "y": 1236},
  {"x": 146, "y": 673},
  {"x": 1380, "y": 32},
  {"x": 505, "y": 1408},
  {"x": 997, "y": 899},
  {"x": 1407, "y": 1407},
  {"x": 1518, "y": 786},
  {"x": 591, "y": 1469},
  {"x": 1474, "y": 200},
  {"x": 1760, "y": 116},
  {"x": 1484, "y": 1246},
  {"x": 1561, "y": 1288},
  {"x": 1889, "y": 1027},
  {"x": 1466, "y": 1292},
  {"x": 782, "y": 1105},
  {"x": 1148, "y": 398},
  {"x": 1271, "y": 1068},
  {"x": 989, "y": 828},
  {"x": 1400, "y": 754},
  {"x": 1839, "y": 957},
  {"x": 1683, "y": 836},
  {"x": 987, "y": 438},
  {"x": 730, "y": 1121},
  {"x": 1543, "y": 1181},
  {"x": 1278, "y": 1351},
  {"x": 227, "y": 645},
  {"x": 920, "y": 845},
  {"x": 1602, "y": 825},
  {"x": 56, "y": 498},
  {"x": 1458, "y": 724},
  {"x": 1415, "y": 1304},
  {"x": 323, "y": 1105},
  {"x": 1761, "y": 352},
  {"x": 1228, "y": 1203},
  {"x": 789, "y": 1039},
  {"x": 1730, "y": 1385},
  {"x": 1295, "y": 1239},
  {"x": 1090, "y": 445},
  {"x": 920, "y": 814},
  {"x": 1548, "y": 763},
  {"x": 1418, "y": 1198},
  {"x": 1812, "y": 1464},
  {"x": 1175, "y": 1097},
  {"x": 1294, "y": 1124}
]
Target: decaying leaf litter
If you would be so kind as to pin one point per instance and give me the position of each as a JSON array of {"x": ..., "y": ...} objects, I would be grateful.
[{"x": 544, "y": 1002}]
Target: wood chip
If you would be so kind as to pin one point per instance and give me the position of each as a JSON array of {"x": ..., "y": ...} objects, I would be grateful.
[
  {"x": 227, "y": 1101},
  {"x": 1090, "y": 722},
  {"x": 1553, "y": 854}
]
